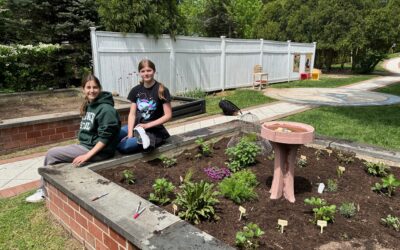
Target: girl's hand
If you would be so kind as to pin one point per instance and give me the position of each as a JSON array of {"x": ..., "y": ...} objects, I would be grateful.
[
  {"x": 143, "y": 125},
  {"x": 78, "y": 161}
]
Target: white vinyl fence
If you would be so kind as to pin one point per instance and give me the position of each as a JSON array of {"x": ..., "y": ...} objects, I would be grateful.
[{"x": 187, "y": 63}]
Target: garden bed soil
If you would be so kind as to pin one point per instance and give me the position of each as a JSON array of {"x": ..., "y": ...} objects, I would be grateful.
[
  {"x": 25, "y": 105},
  {"x": 364, "y": 229}
]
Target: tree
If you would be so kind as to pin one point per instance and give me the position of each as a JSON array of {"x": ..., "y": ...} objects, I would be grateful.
[{"x": 243, "y": 14}]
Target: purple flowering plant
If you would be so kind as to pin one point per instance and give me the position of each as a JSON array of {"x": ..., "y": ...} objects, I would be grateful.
[{"x": 217, "y": 173}]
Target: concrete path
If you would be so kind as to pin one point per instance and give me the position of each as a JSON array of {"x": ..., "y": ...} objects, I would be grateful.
[{"x": 19, "y": 176}]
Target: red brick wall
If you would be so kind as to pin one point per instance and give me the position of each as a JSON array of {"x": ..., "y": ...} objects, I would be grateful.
[
  {"x": 28, "y": 136},
  {"x": 86, "y": 228}
]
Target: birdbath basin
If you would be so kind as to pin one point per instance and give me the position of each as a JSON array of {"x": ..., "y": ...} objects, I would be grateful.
[{"x": 286, "y": 138}]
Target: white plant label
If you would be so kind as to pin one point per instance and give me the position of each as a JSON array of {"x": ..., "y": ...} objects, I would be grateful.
[
  {"x": 181, "y": 179},
  {"x": 282, "y": 224},
  {"x": 322, "y": 224},
  {"x": 321, "y": 188},
  {"x": 175, "y": 208},
  {"x": 242, "y": 212},
  {"x": 342, "y": 169},
  {"x": 303, "y": 157}
]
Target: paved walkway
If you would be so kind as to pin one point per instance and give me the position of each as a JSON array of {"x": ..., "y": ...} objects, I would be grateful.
[{"x": 22, "y": 175}]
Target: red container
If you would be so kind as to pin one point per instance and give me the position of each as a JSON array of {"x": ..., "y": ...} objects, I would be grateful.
[{"x": 304, "y": 76}]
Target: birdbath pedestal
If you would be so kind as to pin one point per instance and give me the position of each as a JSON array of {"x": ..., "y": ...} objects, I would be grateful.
[{"x": 286, "y": 138}]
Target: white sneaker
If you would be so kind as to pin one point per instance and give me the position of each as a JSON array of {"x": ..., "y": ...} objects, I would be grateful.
[
  {"x": 142, "y": 137},
  {"x": 36, "y": 197}
]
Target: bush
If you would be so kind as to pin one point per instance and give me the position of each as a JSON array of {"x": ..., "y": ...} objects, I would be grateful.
[
  {"x": 331, "y": 185},
  {"x": 242, "y": 155},
  {"x": 377, "y": 169},
  {"x": 128, "y": 176},
  {"x": 217, "y": 173},
  {"x": 347, "y": 209},
  {"x": 387, "y": 186},
  {"x": 162, "y": 189},
  {"x": 167, "y": 162},
  {"x": 205, "y": 148},
  {"x": 391, "y": 221},
  {"x": 322, "y": 211},
  {"x": 248, "y": 238},
  {"x": 239, "y": 187},
  {"x": 194, "y": 93},
  {"x": 196, "y": 201}
]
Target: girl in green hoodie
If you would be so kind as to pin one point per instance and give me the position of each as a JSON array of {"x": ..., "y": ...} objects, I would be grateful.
[{"x": 98, "y": 133}]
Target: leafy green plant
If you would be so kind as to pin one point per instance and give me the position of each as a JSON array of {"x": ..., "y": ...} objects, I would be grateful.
[
  {"x": 377, "y": 169},
  {"x": 391, "y": 221},
  {"x": 128, "y": 176},
  {"x": 347, "y": 209},
  {"x": 162, "y": 189},
  {"x": 345, "y": 157},
  {"x": 239, "y": 187},
  {"x": 331, "y": 185},
  {"x": 167, "y": 162},
  {"x": 242, "y": 155},
  {"x": 204, "y": 147},
  {"x": 302, "y": 162},
  {"x": 194, "y": 93},
  {"x": 388, "y": 185},
  {"x": 322, "y": 211},
  {"x": 196, "y": 201},
  {"x": 248, "y": 237}
]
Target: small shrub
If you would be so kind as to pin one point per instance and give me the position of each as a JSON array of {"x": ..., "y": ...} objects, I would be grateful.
[
  {"x": 248, "y": 237},
  {"x": 205, "y": 148},
  {"x": 345, "y": 157},
  {"x": 162, "y": 190},
  {"x": 128, "y": 176},
  {"x": 331, "y": 185},
  {"x": 196, "y": 201},
  {"x": 242, "y": 155},
  {"x": 377, "y": 169},
  {"x": 217, "y": 173},
  {"x": 302, "y": 162},
  {"x": 388, "y": 185},
  {"x": 322, "y": 211},
  {"x": 391, "y": 221},
  {"x": 347, "y": 209},
  {"x": 194, "y": 93},
  {"x": 167, "y": 162},
  {"x": 239, "y": 187}
]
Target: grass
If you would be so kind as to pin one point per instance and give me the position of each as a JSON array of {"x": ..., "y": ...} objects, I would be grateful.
[
  {"x": 324, "y": 82},
  {"x": 29, "y": 226},
  {"x": 243, "y": 98},
  {"x": 376, "y": 125}
]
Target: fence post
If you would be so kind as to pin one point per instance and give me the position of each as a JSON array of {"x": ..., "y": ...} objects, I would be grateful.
[
  {"x": 93, "y": 40},
  {"x": 172, "y": 67},
  {"x": 288, "y": 60},
  {"x": 261, "y": 51},
  {"x": 313, "y": 57},
  {"x": 222, "y": 65}
]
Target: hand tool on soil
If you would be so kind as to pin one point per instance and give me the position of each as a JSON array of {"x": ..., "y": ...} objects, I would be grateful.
[
  {"x": 138, "y": 210},
  {"x": 100, "y": 196}
]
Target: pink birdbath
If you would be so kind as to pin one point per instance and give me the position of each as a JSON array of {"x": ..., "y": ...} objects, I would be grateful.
[{"x": 286, "y": 138}]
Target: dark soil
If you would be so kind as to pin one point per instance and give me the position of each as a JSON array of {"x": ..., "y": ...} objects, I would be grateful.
[
  {"x": 24, "y": 105},
  {"x": 354, "y": 186}
]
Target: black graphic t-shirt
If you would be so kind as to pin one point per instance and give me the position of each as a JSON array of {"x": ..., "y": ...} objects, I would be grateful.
[{"x": 149, "y": 106}]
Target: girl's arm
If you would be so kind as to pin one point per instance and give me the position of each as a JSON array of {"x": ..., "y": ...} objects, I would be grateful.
[
  {"x": 163, "y": 119},
  {"x": 86, "y": 157},
  {"x": 131, "y": 119}
]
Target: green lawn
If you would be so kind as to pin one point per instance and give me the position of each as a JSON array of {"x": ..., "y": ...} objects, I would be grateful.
[
  {"x": 377, "y": 125},
  {"x": 324, "y": 82},
  {"x": 243, "y": 98},
  {"x": 29, "y": 226}
]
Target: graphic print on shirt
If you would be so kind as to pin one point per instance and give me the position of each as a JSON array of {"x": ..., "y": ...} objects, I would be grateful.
[
  {"x": 87, "y": 121},
  {"x": 146, "y": 107}
]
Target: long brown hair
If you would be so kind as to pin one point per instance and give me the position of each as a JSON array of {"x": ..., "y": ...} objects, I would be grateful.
[
  {"x": 147, "y": 63},
  {"x": 86, "y": 79}
]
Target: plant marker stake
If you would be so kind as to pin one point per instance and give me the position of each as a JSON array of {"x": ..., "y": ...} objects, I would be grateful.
[
  {"x": 322, "y": 224},
  {"x": 181, "y": 179},
  {"x": 98, "y": 197},
  {"x": 321, "y": 188},
  {"x": 282, "y": 223},
  {"x": 174, "y": 207},
  {"x": 342, "y": 169},
  {"x": 138, "y": 213},
  {"x": 242, "y": 212}
]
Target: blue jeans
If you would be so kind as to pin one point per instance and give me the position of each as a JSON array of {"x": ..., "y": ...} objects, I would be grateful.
[{"x": 127, "y": 145}]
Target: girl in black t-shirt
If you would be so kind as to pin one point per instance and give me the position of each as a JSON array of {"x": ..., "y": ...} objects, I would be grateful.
[{"x": 150, "y": 109}]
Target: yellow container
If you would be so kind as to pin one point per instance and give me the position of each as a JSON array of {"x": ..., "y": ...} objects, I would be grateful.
[{"x": 315, "y": 74}]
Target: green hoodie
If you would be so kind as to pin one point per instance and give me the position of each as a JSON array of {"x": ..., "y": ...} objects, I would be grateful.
[{"x": 100, "y": 123}]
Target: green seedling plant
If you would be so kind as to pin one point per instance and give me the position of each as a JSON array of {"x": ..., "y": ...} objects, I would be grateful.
[
  {"x": 167, "y": 162},
  {"x": 345, "y": 157},
  {"x": 206, "y": 148},
  {"x": 331, "y": 185},
  {"x": 347, "y": 209},
  {"x": 196, "y": 201},
  {"x": 162, "y": 189},
  {"x": 391, "y": 221},
  {"x": 302, "y": 162},
  {"x": 239, "y": 187},
  {"x": 248, "y": 237},
  {"x": 377, "y": 169},
  {"x": 322, "y": 211},
  {"x": 128, "y": 176},
  {"x": 388, "y": 185},
  {"x": 242, "y": 155}
]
